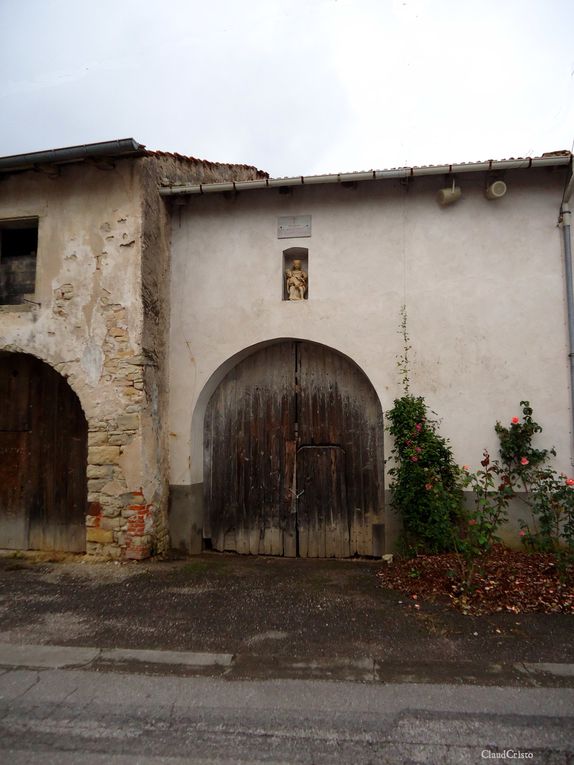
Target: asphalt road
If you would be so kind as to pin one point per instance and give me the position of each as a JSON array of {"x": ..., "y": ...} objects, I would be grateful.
[{"x": 72, "y": 716}]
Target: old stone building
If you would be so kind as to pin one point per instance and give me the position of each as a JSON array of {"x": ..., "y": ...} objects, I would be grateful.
[
  {"x": 182, "y": 328},
  {"x": 84, "y": 315}
]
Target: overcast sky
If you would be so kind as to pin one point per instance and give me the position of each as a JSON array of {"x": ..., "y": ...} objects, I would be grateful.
[{"x": 291, "y": 86}]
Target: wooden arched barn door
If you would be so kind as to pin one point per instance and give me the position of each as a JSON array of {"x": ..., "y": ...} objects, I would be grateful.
[
  {"x": 293, "y": 456},
  {"x": 43, "y": 456}
]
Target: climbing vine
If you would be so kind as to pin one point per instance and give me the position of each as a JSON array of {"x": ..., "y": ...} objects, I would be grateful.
[{"x": 425, "y": 478}]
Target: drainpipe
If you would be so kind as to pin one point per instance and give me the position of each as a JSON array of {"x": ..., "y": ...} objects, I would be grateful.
[{"x": 565, "y": 224}]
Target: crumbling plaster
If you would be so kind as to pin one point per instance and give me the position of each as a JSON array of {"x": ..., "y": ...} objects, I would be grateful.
[
  {"x": 86, "y": 320},
  {"x": 100, "y": 317}
]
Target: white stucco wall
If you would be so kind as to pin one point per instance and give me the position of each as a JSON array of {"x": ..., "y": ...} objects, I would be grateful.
[{"x": 482, "y": 281}]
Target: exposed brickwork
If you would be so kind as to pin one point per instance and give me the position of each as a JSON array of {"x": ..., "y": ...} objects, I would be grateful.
[{"x": 137, "y": 526}]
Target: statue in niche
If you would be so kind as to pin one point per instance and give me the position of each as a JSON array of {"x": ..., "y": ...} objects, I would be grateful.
[{"x": 296, "y": 281}]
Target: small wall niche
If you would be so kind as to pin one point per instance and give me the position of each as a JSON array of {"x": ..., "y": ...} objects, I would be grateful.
[{"x": 292, "y": 284}]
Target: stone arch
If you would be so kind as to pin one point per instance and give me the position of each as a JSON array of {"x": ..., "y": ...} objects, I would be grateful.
[
  {"x": 60, "y": 367},
  {"x": 43, "y": 460},
  {"x": 370, "y": 526}
]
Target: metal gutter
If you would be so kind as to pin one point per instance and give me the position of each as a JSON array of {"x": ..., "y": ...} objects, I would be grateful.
[
  {"x": 371, "y": 175},
  {"x": 119, "y": 148},
  {"x": 569, "y": 185}
]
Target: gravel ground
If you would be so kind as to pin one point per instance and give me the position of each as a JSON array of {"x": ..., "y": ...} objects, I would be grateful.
[{"x": 267, "y": 606}]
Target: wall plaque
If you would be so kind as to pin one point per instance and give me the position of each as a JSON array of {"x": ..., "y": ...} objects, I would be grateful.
[{"x": 293, "y": 226}]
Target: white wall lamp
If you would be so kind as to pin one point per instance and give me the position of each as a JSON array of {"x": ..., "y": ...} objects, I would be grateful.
[
  {"x": 450, "y": 195},
  {"x": 495, "y": 190}
]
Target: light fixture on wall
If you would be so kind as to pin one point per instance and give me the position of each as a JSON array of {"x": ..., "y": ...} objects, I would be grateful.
[
  {"x": 450, "y": 195},
  {"x": 495, "y": 190}
]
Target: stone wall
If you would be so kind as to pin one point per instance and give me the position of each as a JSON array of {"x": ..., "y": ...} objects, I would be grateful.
[{"x": 100, "y": 317}]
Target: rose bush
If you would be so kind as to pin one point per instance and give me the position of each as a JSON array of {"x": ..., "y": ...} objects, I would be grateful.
[{"x": 522, "y": 473}]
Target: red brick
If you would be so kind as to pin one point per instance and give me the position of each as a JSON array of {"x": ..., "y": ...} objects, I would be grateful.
[{"x": 94, "y": 508}]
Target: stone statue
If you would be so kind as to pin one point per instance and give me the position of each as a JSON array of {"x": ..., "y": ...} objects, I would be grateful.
[{"x": 296, "y": 281}]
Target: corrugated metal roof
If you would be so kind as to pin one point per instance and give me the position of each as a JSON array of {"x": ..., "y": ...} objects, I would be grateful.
[{"x": 471, "y": 163}]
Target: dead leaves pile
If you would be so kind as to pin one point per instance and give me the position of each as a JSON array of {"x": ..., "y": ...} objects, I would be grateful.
[{"x": 506, "y": 580}]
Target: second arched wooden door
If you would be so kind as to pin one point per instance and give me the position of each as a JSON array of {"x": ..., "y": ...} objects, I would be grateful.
[{"x": 293, "y": 455}]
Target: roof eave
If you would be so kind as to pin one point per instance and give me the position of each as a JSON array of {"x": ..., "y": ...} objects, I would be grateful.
[
  {"x": 123, "y": 147},
  {"x": 554, "y": 160}
]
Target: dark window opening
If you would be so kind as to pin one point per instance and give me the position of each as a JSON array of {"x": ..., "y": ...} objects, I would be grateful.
[{"x": 18, "y": 247}]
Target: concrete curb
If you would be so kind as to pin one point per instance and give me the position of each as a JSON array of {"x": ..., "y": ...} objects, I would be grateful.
[
  {"x": 48, "y": 656},
  {"x": 243, "y": 666},
  {"x": 61, "y": 657},
  {"x": 545, "y": 668},
  {"x": 182, "y": 658}
]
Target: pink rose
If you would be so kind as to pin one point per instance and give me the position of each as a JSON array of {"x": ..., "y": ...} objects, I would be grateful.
[
  {"x": 472, "y": 522},
  {"x": 570, "y": 482},
  {"x": 418, "y": 426},
  {"x": 428, "y": 486},
  {"x": 522, "y": 533},
  {"x": 466, "y": 468},
  {"x": 524, "y": 461},
  {"x": 414, "y": 458},
  {"x": 515, "y": 420}
]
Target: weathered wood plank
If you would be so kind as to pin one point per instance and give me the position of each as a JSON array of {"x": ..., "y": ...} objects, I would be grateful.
[
  {"x": 289, "y": 517},
  {"x": 322, "y": 506},
  {"x": 15, "y": 400},
  {"x": 14, "y": 466},
  {"x": 259, "y": 408},
  {"x": 60, "y": 434}
]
